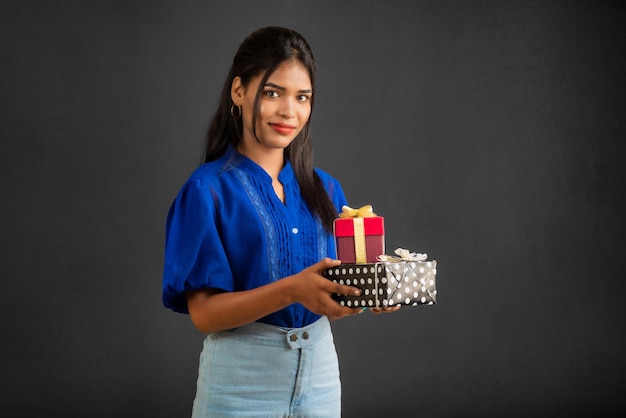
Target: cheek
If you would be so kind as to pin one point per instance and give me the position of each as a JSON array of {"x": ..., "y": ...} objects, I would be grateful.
[
  {"x": 247, "y": 120},
  {"x": 306, "y": 113},
  {"x": 247, "y": 117},
  {"x": 264, "y": 112}
]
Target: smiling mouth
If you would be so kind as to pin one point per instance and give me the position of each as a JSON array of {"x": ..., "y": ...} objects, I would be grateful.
[{"x": 283, "y": 128}]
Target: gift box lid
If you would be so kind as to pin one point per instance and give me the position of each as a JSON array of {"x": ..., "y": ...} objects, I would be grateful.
[{"x": 344, "y": 227}]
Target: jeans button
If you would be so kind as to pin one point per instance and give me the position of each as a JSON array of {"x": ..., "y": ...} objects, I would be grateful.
[
  {"x": 293, "y": 337},
  {"x": 305, "y": 335}
]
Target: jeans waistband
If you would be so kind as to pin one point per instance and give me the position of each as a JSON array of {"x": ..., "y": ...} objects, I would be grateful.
[{"x": 271, "y": 335}]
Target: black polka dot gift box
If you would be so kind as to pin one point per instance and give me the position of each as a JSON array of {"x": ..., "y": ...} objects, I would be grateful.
[{"x": 405, "y": 280}]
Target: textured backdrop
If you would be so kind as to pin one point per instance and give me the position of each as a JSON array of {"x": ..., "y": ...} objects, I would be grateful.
[{"x": 489, "y": 134}]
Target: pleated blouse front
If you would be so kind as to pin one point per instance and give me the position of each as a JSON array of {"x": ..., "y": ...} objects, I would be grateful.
[{"x": 227, "y": 229}]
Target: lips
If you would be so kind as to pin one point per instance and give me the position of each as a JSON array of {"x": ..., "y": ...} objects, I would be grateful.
[{"x": 283, "y": 128}]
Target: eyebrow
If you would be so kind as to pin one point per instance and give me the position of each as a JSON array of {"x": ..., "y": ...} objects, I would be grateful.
[{"x": 281, "y": 88}]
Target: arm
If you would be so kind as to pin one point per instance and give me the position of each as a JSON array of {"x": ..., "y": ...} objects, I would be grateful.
[{"x": 213, "y": 310}]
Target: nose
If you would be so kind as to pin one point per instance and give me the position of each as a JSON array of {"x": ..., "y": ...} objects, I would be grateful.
[{"x": 287, "y": 108}]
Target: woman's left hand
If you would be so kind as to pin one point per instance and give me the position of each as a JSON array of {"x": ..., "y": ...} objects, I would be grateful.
[{"x": 384, "y": 310}]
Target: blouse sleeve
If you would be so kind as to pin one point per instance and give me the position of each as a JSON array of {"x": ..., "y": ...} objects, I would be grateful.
[
  {"x": 338, "y": 197},
  {"x": 194, "y": 254},
  {"x": 334, "y": 190}
]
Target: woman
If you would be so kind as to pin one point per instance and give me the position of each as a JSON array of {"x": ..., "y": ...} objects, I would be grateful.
[{"x": 247, "y": 238}]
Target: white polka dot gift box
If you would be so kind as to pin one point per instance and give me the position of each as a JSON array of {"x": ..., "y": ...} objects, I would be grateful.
[{"x": 405, "y": 280}]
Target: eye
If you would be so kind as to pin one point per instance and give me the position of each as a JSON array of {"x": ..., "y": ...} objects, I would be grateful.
[
  {"x": 304, "y": 98},
  {"x": 271, "y": 93}
]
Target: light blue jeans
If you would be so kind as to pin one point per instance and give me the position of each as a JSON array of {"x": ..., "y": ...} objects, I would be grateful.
[{"x": 261, "y": 370}]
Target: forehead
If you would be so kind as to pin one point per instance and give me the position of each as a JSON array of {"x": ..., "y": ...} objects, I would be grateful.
[{"x": 291, "y": 74}]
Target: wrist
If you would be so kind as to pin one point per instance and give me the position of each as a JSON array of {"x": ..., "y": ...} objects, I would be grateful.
[{"x": 290, "y": 289}]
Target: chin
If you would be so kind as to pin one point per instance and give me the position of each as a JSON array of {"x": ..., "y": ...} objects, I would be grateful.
[{"x": 281, "y": 142}]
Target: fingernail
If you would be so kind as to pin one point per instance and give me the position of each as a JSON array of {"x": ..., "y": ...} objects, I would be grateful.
[{"x": 357, "y": 293}]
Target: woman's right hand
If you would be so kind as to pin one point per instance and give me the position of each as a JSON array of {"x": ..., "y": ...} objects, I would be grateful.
[
  {"x": 215, "y": 310},
  {"x": 315, "y": 292}
]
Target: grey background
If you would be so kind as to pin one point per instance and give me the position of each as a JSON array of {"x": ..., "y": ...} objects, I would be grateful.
[{"x": 490, "y": 134}]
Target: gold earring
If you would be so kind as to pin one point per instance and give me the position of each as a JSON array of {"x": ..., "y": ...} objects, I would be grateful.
[{"x": 233, "y": 113}]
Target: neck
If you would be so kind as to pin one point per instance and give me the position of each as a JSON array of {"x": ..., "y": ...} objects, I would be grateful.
[{"x": 271, "y": 160}]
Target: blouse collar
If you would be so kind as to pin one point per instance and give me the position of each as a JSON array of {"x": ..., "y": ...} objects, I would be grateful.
[{"x": 234, "y": 158}]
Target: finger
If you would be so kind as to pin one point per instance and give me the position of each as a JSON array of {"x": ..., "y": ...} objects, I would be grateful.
[
  {"x": 335, "y": 318},
  {"x": 333, "y": 309},
  {"x": 345, "y": 311},
  {"x": 384, "y": 310},
  {"x": 324, "y": 264},
  {"x": 343, "y": 289}
]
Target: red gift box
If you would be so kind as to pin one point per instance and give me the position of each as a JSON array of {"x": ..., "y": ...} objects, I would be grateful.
[{"x": 359, "y": 240}]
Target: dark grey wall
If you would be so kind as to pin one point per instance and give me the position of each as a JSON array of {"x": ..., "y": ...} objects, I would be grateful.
[{"x": 490, "y": 135}]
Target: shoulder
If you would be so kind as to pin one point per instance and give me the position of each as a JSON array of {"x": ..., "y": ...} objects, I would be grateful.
[
  {"x": 325, "y": 177},
  {"x": 332, "y": 186},
  {"x": 207, "y": 172},
  {"x": 213, "y": 172},
  {"x": 206, "y": 183}
]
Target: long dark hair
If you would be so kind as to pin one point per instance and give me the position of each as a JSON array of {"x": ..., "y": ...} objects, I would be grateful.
[{"x": 260, "y": 54}]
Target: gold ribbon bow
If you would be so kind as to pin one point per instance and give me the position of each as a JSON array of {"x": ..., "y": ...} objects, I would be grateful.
[
  {"x": 359, "y": 228},
  {"x": 362, "y": 212}
]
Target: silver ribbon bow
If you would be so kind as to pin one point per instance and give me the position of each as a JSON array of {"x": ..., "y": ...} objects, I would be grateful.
[{"x": 403, "y": 255}]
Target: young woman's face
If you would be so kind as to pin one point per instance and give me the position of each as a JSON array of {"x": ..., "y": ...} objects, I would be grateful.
[{"x": 284, "y": 106}]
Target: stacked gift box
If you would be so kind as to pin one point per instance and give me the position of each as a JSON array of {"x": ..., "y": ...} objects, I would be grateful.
[
  {"x": 385, "y": 281},
  {"x": 359, "y": 235}
]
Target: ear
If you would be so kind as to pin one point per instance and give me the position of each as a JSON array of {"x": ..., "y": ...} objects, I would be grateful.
[{"x": 236, "y": 91}]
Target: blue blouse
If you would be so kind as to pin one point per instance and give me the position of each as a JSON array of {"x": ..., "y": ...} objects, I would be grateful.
[{"x": 228, "y": 229}]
